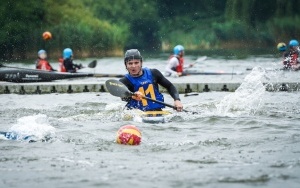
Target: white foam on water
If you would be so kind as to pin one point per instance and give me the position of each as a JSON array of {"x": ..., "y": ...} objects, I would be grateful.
[
  {"x": 137, "y": 119},
  {"x": 36, "y": 126},
  {"x": 131, "y": 115},
  {"x": 110, "y": 113},
  {"x": 247, "y": 99},
  {"x": 2, "y": 137},
  {"x": 114, "y": 106}
]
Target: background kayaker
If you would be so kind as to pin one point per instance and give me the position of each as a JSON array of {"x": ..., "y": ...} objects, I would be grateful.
[
  {"x": 68, "y": 64},
  {"x": 292, "y": 61},
  {"x": 175, "y": 66},
  {"x": 42, "y": 63},
  {"x": 144, "y": 82},
  {"x": 282, "y": 48}
]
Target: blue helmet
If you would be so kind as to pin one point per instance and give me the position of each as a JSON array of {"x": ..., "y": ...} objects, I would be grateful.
[
  {"x": 178, "y": 49},
  {"x": 67, "y": 53},
  {"x": 294, "y": 43},
  {"x": 41, "y": 52}
]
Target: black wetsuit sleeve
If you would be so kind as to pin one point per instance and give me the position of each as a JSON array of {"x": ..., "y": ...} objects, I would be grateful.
[
  {"x": 129, "y": 85},
  {"x": 77, "y": 66},
  {"x": 158, "y": 78}
]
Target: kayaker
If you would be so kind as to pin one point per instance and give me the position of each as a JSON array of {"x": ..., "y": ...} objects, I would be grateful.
[
  {"x": 42, "y": 63},
  {"x": 292, "y": 60},
  {"x": 68, "y": 61},
  {"x": 61, "y": 67},
  {"x": 175, "y": 66},
  {"x": 282, "y": 48},
  {"x": 145, "y": 82}
]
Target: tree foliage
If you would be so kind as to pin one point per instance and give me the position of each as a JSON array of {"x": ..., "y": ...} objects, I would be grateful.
[
  {"x": 93, "y": 28},
  {"x": 18, "y": 19}
]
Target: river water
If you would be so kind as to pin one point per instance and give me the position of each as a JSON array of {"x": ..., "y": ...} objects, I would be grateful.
[{"x": 247, "y": 138}]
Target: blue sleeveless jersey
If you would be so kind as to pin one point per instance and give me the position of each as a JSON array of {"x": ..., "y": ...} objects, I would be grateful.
[{"x": 145, "y": 85}]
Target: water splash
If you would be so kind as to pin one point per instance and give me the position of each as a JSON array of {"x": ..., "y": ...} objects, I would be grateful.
[
  {"x": 114, "y": 106},
  {"x": 247, "y": 99},
  {"x": 32, "y": 128}
]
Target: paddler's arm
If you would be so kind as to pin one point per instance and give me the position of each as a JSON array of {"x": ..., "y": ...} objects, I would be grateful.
[
  {"x": 128, "y": 84},
  {"x": 52, "y": 69},
  {"x": 163, "y": 81}
]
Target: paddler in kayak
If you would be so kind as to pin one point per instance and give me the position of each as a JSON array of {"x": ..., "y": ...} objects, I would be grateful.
[
  {"x": 68, "y": 64},
  {"x": 144, "y": 82},
  {"x": 292, "y": 59},
  {"x": 282, "y": 48},
  {"x": 42, "y": 63},
  {"x": 175, "y": 66}
]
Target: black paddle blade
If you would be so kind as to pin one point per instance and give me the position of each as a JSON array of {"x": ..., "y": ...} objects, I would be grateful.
[
  {"x": 92, "y": 64},
  {"x": 117, "y": 88}
]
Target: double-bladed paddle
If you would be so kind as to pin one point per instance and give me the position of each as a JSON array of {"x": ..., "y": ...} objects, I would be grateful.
[
  {"x": 200, "y": 59},
  {"x": 118, "y": 89},
  {"x": 92, "y": 64}
]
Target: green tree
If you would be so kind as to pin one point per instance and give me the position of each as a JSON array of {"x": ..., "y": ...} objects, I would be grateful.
[
  {"x": 285, "y": 24},
  {"x": 18, "y": 20},
  {"x": 138, "y": 18},
  {"x": 93, "y": 28},
  {"x": 75, "y": 26},
  {"x": 189, "y": 22}
]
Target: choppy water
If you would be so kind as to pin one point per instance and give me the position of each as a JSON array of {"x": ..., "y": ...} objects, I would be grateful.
[{"x": 249, "y": 138}]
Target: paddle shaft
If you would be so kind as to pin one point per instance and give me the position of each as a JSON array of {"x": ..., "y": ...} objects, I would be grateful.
[
  {"x": 198, "y": 60},
  {"x": 160, "y": 102}
]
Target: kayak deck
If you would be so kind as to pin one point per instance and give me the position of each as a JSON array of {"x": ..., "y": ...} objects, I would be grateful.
[
  {"x": 154, "y": 116},
  {"x": 24, "y": 75}
]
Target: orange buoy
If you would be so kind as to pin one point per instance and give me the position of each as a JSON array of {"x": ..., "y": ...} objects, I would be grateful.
[{"x": 47, "y": 35}]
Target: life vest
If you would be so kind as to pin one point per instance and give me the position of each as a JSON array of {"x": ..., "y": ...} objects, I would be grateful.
[
  {"x": 180, "y": 66},
  {"x": 294, "y": 58},
  {"x": 61, "y": 67},
  {"x": 144, "y": 84},
  {"x": 43, "y": 64}
]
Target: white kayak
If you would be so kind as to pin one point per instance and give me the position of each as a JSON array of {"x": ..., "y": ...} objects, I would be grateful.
[{"x": 147, "y": 116}]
